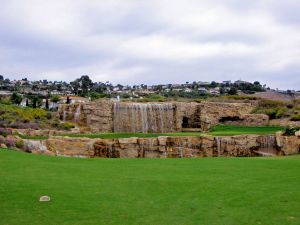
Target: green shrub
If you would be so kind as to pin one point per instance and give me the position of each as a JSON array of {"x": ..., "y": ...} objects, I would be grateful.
[
  {"x": 273, "y": 113},
  {"x": 20, "y": 117},
  {"x": 5, "y": 101},
  {"x": 241, "y": 97},
  {"x": 296, "y": 117},
  {"x": 55, "y": 98},
  {"x": 66, "y": 126},
  {"x": 290, "y": 131},
  {"x": 20, "y": 144},
  {"x": 266, "y": 103},
  {"x": 280, "y": 112},
  {"x": 95, "y": 95},
  {"x": 49, "y": 115},
  {"x": 156, "y": 97},
  {"x": 16, "y": 98},
  {"x": 125, "y": 95}
]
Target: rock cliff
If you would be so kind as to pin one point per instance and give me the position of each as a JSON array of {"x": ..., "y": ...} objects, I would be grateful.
[
  {"x": 168, "y": 147},
  {"x": 114, "y": 116}
]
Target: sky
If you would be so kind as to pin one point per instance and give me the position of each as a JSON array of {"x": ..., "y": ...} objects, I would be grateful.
[{"x": 152, "y": 41}]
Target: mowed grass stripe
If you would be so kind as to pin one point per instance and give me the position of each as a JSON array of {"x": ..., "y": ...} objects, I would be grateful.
[
  {"x": 148, "y": 191},
  {"x": 219, "y": 130}
]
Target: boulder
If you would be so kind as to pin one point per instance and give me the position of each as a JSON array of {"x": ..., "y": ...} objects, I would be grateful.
[
  {"x": 3, "y": 146},
  {"x": 288, "y": 144}
]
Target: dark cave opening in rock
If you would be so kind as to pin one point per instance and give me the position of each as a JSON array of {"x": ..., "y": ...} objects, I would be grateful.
[
  {"x": 185, "y": 122},
  {"x": 230, "y": 119}
]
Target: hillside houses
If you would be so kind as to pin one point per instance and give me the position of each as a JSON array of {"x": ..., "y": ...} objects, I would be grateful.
[{"x": 46, "y": 88}]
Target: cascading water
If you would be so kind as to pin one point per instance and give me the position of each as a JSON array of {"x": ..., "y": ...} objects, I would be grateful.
[
  {"x": 223, "y": 144},
  {"x": 219, "y": 145},
  {"x": 77, "y": 113},
  {"x": 143, "y": 117},
  {"x": 64, "y": 114},
  {"x": 267, "y": 145}
]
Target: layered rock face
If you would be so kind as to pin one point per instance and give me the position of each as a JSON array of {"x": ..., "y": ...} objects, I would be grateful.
[
  {"x": 168, "y": 147},
  {"x": 205, "y": 115},
  {"x": 113, "y": 116},
  {"x": 95, "y": 116}
]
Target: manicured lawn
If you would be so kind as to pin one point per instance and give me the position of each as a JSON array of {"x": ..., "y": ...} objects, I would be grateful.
[
  {"x": 219, "y": 130},
  {"x": 227, "y": 130},
  {"x": 128, "y": 135},
  {"x": 33, "y": 137},
  {"x": 148, "y": 191}
]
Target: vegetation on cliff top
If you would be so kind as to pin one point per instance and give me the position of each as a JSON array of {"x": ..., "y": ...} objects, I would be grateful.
[
  {"x": 148, "y": 191},
  {"x": 279, "y": 109},
  {"x": 23, "y": 118},
  {"x": 12, "y": 116}
]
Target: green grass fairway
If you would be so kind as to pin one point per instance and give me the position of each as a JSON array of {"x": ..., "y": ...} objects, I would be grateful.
[
  {"x": 219, "y": 130},
  {"x": 128, "y": 135},
  {"x": 227, "y": 130},
  {"x": 148, "y": 191}
]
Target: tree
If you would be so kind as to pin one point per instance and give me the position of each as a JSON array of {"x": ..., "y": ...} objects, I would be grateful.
[
  {"x": 213, "y": 84},
  {"x": 55, "y": 98},
  {"x": 75, "y": 86},
  {"x": 222, "y": 90},
  {"x": 47, "y": 103},
  {"x": 83, "y": 84},
  {"x": 34, "y": 103},
  {"x": 232, "y": 91},
  {"x": 291, "y": 94},
  {"x": 36, "y": 100},
  {"x": 68, "y": 100},
  {"x": 16, "y": 98}
]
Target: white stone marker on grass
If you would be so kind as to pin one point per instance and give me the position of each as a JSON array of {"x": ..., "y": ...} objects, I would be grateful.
[{"x": 44, "y": 198}]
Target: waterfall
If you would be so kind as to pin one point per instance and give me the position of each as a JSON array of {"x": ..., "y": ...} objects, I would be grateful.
[
  {"x": 77, "y": 113},
  {"x": 64, "y": 114},
  {"x": 143, "y": 117},
  {"x": 224, "y": 145},
  {"x": 109, "y": 147},
  {"x": 219, "y": 145},
  {"x": 267, "y": 145}
]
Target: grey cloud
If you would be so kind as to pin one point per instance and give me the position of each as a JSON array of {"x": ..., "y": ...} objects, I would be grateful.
[{"x": 152, "y": 41}]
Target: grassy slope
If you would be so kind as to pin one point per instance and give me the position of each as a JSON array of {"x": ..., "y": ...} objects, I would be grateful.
[
  {"x": 219, "y": 130},
  {"x": 149, "y": 191},
  {"x": 226, "y": 130}
]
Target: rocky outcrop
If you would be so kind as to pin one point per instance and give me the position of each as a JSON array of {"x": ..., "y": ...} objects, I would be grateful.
[
  {"x": 288, "y": 145},
  {"x": 168, "y": 147},
  {"x": 37, "y": 146},
  {"x": 114, "y": 116},
  {"x": 76, "y": 147},
  {"x": 249, "y": 120},
  {"x": 42, "y": 132},
  {"x": 97, "y": 115}
]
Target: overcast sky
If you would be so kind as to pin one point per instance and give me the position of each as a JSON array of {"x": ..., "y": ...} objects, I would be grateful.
[{"x": 152, "y": 41}]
